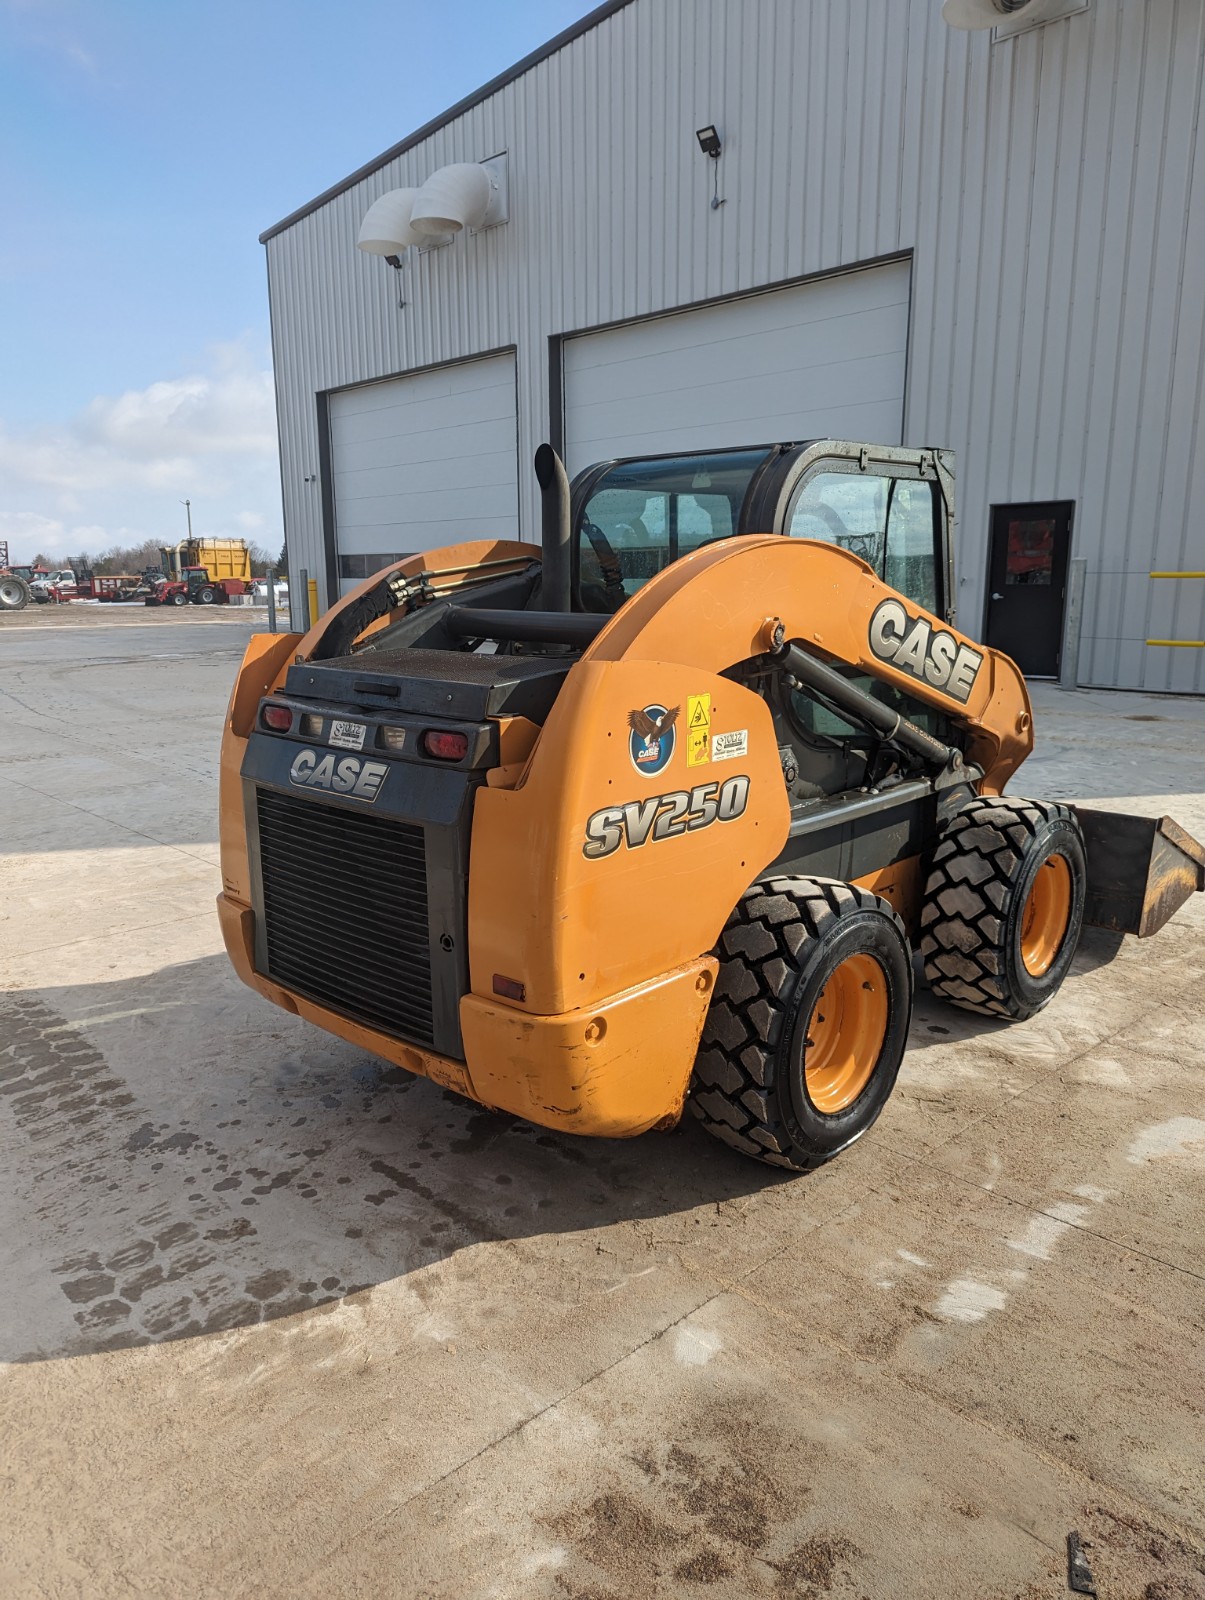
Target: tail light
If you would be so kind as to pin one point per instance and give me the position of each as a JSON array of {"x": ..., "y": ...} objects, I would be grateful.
[
  {"x": 311, "y": 725},
  {"x": 278, "y": 718},
  {"x": 445, "y": 746},
  {"x": 509, "y": 988},
  {"x": 393, "y": 738}
]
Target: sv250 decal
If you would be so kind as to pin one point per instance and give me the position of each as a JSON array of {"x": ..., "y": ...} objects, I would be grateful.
[
  {"x": 913, "y": 645},
  {"x": 664, "y": 816}
]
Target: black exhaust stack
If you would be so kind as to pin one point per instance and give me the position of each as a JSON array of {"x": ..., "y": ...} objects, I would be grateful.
[{"x": 554, "y": 529}]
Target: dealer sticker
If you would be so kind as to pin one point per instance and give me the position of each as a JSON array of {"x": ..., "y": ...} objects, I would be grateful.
[
  {"x": 724, "y": 746},
  {"x": 350, "y": 735}
]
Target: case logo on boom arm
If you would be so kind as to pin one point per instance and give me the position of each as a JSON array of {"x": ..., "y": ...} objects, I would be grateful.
[{"x": 931, "y": 655}]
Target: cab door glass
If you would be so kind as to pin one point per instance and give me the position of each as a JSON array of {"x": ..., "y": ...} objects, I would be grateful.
[
  {"x": 911, "y": 563},
  {"x": 891, "y": 524},
  {"x": 846, "y": 509}
]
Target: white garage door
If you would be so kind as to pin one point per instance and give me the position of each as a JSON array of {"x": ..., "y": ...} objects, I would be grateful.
[
  {"x": 421, "y": 461},
  {"x": 822, "y": 359}
]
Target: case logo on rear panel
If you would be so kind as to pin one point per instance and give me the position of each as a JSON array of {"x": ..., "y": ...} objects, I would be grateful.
[
  {"x": 931, "y": 655},
  {"x": 349, "y": 775}
]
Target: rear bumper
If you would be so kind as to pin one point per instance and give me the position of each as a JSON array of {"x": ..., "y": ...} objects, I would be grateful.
[{"x": 612, "y": 1070}]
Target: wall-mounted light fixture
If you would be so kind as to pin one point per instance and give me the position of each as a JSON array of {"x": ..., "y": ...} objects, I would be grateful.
[
  {"x": 709, "y": 141},
  {"x": 711, "y": 145}
]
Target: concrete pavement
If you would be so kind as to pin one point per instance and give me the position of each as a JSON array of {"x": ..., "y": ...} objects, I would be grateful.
[{"x": 280, "y": 1321}]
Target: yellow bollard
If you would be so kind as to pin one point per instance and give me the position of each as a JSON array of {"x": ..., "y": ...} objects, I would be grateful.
[{"x": 312, "y": 586}]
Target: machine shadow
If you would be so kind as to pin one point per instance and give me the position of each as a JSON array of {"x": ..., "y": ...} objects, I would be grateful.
[
  {"x": 183, "y": 1158},
  {"x": 936, "y": 1022}
]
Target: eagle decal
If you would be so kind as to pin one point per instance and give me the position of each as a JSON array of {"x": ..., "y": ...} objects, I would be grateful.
[
  {"x": 650, "y": 727},
  {"x": 652, "y": 738}
]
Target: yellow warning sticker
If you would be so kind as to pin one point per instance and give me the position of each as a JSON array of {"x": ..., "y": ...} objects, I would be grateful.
[
  {"x": 698, "y": 711},
  {"x": 698, "y": 730}
]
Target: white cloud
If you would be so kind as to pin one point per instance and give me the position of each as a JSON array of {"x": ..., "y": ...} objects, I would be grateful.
[{"x": 116, "y": 472}]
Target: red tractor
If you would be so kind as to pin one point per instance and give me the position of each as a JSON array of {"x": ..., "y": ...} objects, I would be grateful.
[{"x": 195, "y": 586}]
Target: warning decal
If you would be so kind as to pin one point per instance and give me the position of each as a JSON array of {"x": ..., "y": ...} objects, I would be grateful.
[{"x": 698, "y": 730}]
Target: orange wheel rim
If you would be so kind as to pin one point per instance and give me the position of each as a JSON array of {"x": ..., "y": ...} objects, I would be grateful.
[
  {"x": 845, "y": 1033},
  {"x": 1046, "y": 915}
]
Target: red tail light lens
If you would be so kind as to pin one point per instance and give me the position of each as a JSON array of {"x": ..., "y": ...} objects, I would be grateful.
[
  {"x": 446, "y": 746},
  {"x": 278, "y": 718},
  {"x": 509, "y": 988}
]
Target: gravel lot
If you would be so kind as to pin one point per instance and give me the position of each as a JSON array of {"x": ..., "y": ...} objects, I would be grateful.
[{"x": 280, "y": 1321}]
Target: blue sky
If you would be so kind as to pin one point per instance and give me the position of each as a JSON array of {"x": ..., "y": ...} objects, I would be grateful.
[{"x": 143, "y": 148}]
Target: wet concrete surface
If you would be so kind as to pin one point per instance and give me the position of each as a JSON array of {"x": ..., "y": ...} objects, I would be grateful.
[{"x": 279, "y": 1320}]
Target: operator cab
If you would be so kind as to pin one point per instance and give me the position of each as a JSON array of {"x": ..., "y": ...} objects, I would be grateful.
[
  {"x": 891, "y": 507},
  {"x": 630, "y": 519}
]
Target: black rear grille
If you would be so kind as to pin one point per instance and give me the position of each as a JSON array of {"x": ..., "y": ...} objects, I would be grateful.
[{"x": 345, "y": 911}]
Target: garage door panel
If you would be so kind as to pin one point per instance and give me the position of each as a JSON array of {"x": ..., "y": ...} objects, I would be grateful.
[
  {"x": 874, "y": 422},
  {"x": 433, "y": 418},
  {"x": 472, "y": 471},
  {"x": 822, "y": 358},
  {"x": 805, "y": 392},
  {"x": 860, "y": 327},
  {"x": 872, "y": 335},
  {"x": 421, "y": 459},
  {"x": 378, "y": 510},
  {"x": 425, "y": 388},
  {"x": 774, "y": 312},
  {"x": 455, "y": 440}
]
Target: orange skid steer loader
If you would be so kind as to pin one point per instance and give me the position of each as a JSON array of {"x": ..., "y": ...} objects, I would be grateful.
[{"x": 659, "y": 811}]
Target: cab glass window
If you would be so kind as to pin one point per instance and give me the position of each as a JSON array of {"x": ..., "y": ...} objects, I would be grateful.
[
  {"x": 891, "y": 523},
  {"x": 911, "y": 561},
  {"x": 641, "y": 515},
  {"x": 818, "y": 721},
  {"x": 846, "y": 509}
]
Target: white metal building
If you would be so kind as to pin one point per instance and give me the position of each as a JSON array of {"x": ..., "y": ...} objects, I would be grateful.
[{"x": 988, "y": 241}]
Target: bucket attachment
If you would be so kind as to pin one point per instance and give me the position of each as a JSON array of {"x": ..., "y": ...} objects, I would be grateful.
[{"x": 1141, "y": 870}]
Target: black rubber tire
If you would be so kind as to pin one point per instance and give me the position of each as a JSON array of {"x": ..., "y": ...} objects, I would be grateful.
[
  {"x": 776, "y": 952},
  {"x": 976, "y": 888},
  {"x": 15, "y": 593},
  {"x": 179, "y": 598},
  {"x": 205, "y": 595}
]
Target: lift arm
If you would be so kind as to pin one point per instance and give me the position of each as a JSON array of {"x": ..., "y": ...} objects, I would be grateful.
[{"x": 746, "y": 597}]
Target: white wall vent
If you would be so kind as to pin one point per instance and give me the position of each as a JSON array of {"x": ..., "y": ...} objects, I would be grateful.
[{"x": 1008, "y": 17}]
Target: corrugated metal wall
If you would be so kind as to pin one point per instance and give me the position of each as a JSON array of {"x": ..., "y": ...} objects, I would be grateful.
[{"x": 1048, "y": 186}]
